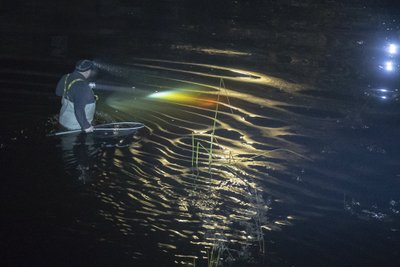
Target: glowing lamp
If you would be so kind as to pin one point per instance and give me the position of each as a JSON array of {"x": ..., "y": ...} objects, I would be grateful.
[
  {"x": 389, "y": 66},
  {"x": 392, "y": 49}
]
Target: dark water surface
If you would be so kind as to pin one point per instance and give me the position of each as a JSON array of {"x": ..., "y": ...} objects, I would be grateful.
[{"x": 303, "y": 173}]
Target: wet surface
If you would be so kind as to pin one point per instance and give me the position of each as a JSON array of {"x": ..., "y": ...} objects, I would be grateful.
[
  {"x": 293, "y": 179},
  {"x": 250, "y": 156}
]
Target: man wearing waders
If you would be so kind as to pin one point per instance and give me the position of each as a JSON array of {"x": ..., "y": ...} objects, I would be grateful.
[{"x": 78, "y": 100}]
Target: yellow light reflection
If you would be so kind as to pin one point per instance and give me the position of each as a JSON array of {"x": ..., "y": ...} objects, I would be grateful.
[{"x": 242, "y": 75}]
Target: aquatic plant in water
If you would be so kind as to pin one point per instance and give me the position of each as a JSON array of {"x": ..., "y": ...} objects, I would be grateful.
[{"x": 219, "y": 250}]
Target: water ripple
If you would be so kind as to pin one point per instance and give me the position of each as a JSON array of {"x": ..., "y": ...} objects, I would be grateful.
[{"x": 224, "y": 202}]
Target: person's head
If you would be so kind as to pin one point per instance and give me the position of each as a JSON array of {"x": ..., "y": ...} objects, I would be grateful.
[{"x": 85, "y": 67}]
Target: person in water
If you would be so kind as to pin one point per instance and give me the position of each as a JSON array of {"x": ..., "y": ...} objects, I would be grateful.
[{"x": 78, "y": 102}]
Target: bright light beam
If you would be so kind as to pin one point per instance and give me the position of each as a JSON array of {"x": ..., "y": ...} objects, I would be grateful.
[
  {"x": 177, "y": 96},
  {"x": 389, "y": 66},
  {"x": 173, "y": 96},
  {"x": 160, "y": 94},
  {"x": 392, "y": 49}
]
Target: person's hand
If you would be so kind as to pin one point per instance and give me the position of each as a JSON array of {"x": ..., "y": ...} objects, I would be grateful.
[{"x": 89, "y": 130}]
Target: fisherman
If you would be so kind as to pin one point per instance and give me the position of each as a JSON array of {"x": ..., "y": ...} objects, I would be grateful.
[{"x": 78, "y": 100}]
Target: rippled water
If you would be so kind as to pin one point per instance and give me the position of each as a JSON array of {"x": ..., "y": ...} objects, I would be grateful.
[{"x": 298, "y": 175}]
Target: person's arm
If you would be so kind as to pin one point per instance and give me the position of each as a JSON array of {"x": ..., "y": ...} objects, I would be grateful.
[
  {"x": 82, "y": 97},
  {"x": 80, "y": 115}
]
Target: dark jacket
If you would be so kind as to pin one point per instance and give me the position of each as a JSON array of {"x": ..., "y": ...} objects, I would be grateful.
[{"x": 79, "y": 93}]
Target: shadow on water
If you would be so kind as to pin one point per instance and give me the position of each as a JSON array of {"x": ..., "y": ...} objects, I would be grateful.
[{"x": 279, "y": 159}]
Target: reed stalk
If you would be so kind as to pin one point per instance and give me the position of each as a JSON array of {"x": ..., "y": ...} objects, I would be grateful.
[
  {"x": 213, "y": 259},
  {"x": 213, "y": 132},
  {"x": 192, "y": 149},
  {"x": 197, "y": 155}
]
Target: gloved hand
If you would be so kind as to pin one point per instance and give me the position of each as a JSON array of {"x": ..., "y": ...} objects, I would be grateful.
[{"x": 89, "y": 130}]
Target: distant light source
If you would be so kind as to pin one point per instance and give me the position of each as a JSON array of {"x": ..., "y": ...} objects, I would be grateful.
[
  {"x": 384, "y": 94},
  {"x": 392, "y": 49},
  {"x": 389, "y": 66}
]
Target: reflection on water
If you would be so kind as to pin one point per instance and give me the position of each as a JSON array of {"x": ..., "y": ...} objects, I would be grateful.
[
  {"x": 219, "y": 207},
  {"x": 273, "y": 163}
]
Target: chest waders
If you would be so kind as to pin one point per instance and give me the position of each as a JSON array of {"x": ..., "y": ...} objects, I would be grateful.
[{"x": 67, "y": 113}]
